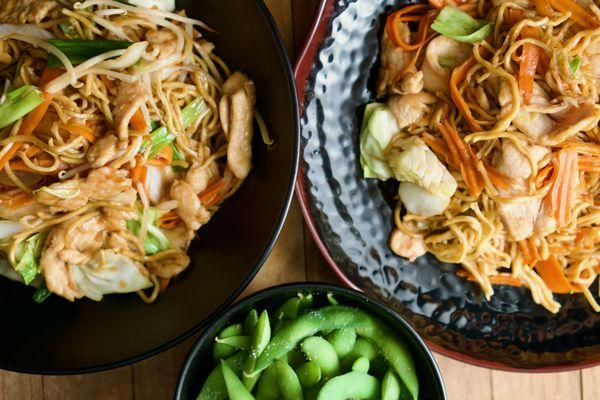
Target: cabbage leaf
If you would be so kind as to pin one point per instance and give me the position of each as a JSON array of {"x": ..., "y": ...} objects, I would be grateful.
[
  {"x": 379, "y": 126},
  {"x": 460, "y": 26}
]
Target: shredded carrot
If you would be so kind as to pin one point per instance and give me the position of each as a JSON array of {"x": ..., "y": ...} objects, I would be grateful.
[
  {"x": 12, "y": 202},
  {"x": 513, "y": 16},
  {"x": 32, "y": 151},
  {"x": 543, "y": 8},
  {"x": 529, "y": 63},
  {"x": 529, "y": 251},
  {"x": 403, "y": 15},
  {"x": 463, "y": 156},
  {"x": 213, "y": 193},
  {"x": 164, "y": 158},
  {"x": 458, "y": 76},
  {"x": 80, "y": 130},
  {"x": 33, "y": 119},
  {"x": 500, "y": 279},
  {"x": 553, "y": 275},
  {"x": 563, "y": 193},
  {"x": 498, "y": 178},
  {"x": 169, "y": 220},
  {"x": 19, "y": 165},
  {"x": 544, "y": 175},
  {"x": 138, "y": 122},
  {"x": 439, "y": 147},
  {"x": 579, "y": 14},
  {"x": 138, "y": 174},
  {"x": 107, "y": 82}
]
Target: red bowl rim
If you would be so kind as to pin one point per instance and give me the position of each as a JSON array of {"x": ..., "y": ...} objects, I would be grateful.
[{"x": 301, "y": 72}]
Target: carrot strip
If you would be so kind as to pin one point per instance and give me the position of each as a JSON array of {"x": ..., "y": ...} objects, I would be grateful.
[
  {"x": 138, "y": 122},
  {"x": 212, "y": 194},
  {"x": 544, "y": 175},
  {"x": 464, "y": 157},
  {"x": 553, "y": 275},
  {"x": 164, "y": 158},
  {"x": 138, "y": 174},
  {"x": 33, "y": 119},
  {"x": 498, "y": 178},
  {"x": 458, "y": 76},
  {"x": 579, "y": 14},
  {"x": 19, "y": 165},
  {"x": 543, "y": 8},
  {"x": 529, "y": 62},
  {"x": 391, "y": 26},
  {"x": 439, "y": 147},
  {"x": 33, "y": 151},
  {"x": 564, "y": 188},
  {"x": 169, "y": 220},
  {"x": 80, "y": 130}
]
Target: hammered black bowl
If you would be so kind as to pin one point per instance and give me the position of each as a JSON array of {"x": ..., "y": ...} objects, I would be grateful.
[
  {"x": 200, "y": 363},
  {"x": 351, "y": 219},
  {"x": 59, "y": 337}
]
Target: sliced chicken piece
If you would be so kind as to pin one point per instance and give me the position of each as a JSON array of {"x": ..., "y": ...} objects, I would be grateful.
[
  {"x": 393, "y": 60},
  {"x": 519, "y": 217},
  {"x": 410, "y": 108},
  {"x": 189, "y": 209},
  {"x": 169, "y": 267},
  {"x": 25, "y": 11},
  {"x": 57, "y": 274},
  {"x": 180, "y": 237},
  {"x": 120, "y": 242},
  {"x": 163, "y": 41},
  {"x": 131, "y": 96},
  {"x": 412, "y": 83},
  {"x": 103, "y": 151},
  {"x": 545, "y": 223},
  {"x": 514, "y": 164},
  {"x": 406, "y": 246},
  {"x": 158, "y": 182},
  {"x": 110, "y": 184},
  {"x": 63, "y": 196},
  {"x": 199, "y": 176},
  {"x": 239, "y": 91},
  {"x": 115, "y": 219},
  {"x": 443, "y": 54},
  {"x": 17, "y": 213}
]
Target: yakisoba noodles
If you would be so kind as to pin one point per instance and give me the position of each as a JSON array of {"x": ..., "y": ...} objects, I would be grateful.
[
  {"x": 122, "y": 132},
  {"x": 488, "y": 118}
]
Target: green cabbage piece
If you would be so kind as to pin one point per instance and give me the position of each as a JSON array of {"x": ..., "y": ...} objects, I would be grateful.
[
  {"x": 379, "y": 126},
  {"x": 460, "y": 26},
  {"x": 155, "y": 241},
  {"x": 28, "y": 257}
]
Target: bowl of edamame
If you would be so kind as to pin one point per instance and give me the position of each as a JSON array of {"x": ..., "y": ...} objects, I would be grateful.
[{"x": 310, "y": 341}]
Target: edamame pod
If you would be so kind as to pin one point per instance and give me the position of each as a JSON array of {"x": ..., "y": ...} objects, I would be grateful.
[
  {"x": 332, "y": 317},
  {"x": 295, "y": 358},
  {"x": 238, "y": 342},
  {"x": 342, "y": 340},
  {"x": 250, "y": 322},
  {"x": 331, "y": 299},
  {"x": 390, "y": 386},
  {"x": 353, "y": 385},
  {"x": 322, "y": 353},
  {"x": 268, "y": 385},
  {"x": 222, "y": 350},
  {"x": 214, "y": 387},
  {"x": 235, "y": 388},
  {"x": 395, "y": 352},
  {"x": 309, "y": 374},
  {"x": 231, "y": 330},
  {"x": 289, "y": 385},
  {"x": 362, "y": 364},
  {"x": 258, "y": 341}
]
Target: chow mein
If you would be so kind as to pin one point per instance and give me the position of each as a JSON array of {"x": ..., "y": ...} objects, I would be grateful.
[
  {"x": 487, "y": 116},
  {"x": 122, "y": 132}
]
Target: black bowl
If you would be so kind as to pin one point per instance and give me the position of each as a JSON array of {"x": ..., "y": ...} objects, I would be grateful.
[
  {"x": 59, "y": 337},
  {"x": 200, "y": 363}
]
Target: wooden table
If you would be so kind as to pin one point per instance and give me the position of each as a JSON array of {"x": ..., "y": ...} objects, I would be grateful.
[{"x": 295, "y": 258}]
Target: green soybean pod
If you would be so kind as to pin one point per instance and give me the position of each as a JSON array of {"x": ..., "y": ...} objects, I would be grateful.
[
  {"x": 332, "y": 300},
  {"x": 306, "y": 302},
  {"x": 235, "y": 388},
  {"x": 309, "y": 374},
  {"x": 289, "y": 385},
  {"x": 343, "y": 341},
  {"x": 390, "y": 386},
  {"x": 353, "y": 385},
  {"x": 268, "y": 385},
  {"x": 362, "y": 348},
  {"x": 250, "y": 322},
  {"x": 322, "y": 353},
  {"x": 331, "y": 317},
  {"x": 362, "y": 364},
  {"x": 295, "y": 358},
  {"x": 395, "y": 352},
  {"x": 231, "y": 330},
  {"x": 238, "y": 342},
  {"x": 288, "y": 310},
  {"x": 258, "y": 341},
  {"x": 214, "y": 387}
]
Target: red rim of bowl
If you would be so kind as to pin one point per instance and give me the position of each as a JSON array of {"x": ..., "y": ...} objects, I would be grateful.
[{"x": 302, "y": 70}]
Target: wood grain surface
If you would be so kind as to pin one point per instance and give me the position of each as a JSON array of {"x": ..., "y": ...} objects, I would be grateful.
[{"x": 295, "y": 258}]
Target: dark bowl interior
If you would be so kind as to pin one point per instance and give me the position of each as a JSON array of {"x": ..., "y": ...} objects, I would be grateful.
[
  {"x": 200, "y": 362},
  {"x": 60, "y": 337}
]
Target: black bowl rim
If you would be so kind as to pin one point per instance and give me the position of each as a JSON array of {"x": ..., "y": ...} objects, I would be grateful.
[
  {"x": 282, "y": 52},
  {"x": 315, "y": 286}
]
